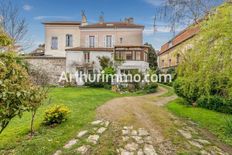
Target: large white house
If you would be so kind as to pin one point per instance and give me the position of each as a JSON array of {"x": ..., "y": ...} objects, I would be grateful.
[{"x": 82, "y": 43}]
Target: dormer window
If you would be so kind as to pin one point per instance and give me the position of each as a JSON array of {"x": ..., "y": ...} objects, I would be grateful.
[{"x": 69, "y": 40}]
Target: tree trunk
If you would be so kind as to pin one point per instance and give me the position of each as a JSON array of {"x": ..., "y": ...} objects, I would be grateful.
[{"x": 32, "y": 121}]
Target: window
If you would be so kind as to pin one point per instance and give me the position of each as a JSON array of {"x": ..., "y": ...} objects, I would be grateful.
[
  {"x": 108, "y": 41},
  {"x": 117, "y": 56},
  {"x": 138, "y": 56},
  {"x": 86, "y": 57},
  {"x": 129, "y": 56},
  {"x": 121, "y": 39},
  {"x": 54, "y": 44},
  {"x": 91, "y": 41},
  {"x": 69, "y": 40},
  {"x": 178, "y": 59},
  {"x": 170, "y": 62},
  {"x": 145, "y": 57},
  {"x": 162, "y": 63}
]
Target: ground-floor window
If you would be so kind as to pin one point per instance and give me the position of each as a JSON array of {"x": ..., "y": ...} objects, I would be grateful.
[{"x": 86, "y": 57}]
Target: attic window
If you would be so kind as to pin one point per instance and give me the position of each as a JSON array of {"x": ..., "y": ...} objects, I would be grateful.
[{"x": 109, "y": 24}]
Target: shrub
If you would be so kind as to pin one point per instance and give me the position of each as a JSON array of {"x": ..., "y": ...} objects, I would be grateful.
[
  {"x": 95, "y": 84},
  {"x": 216, "y": 103},
  {"x": 186, "y": 89},
  {"x": 151, "y": 88},
  {"x": 210, "y": 102},
  {"x": 56, "y": 115}
]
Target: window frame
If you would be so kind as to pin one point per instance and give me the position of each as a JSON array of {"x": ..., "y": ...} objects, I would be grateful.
[
  {"x": 92, "y": 41},
  {"x": 69, "y": 40},
  {"x": 54, "y": 43}
]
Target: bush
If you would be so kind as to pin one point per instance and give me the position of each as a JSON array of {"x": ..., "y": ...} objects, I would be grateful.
[
  {"x": 210, "y": 102},
  {"x": 95, "y": 84},
  {"x": 56, "y": 115},
  {"x": 216, "y": 103},
  {"x": 186, "y": 89},
  {"x": 151, "y": 88}
]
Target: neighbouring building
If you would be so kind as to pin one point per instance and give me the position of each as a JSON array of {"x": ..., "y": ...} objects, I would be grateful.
[
  {"x": 82, "y": 43},
  {"x": 172, "y": 52}
]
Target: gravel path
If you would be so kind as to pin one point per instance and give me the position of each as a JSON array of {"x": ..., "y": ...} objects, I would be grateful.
[{"x": 139, "y": 126}]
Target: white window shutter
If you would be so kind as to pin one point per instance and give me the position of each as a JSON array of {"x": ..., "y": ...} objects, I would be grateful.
[
  {"x": 113, "y": 40},
  {"x": 104, "y": 41},
  {"x": 96, "y": 41},
  {"x": 87, "y": 41}
]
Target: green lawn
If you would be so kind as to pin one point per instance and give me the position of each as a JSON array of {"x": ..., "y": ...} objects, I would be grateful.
[
  {"x": 212, "y": 121},
  {"x": 82, "y": 103}
]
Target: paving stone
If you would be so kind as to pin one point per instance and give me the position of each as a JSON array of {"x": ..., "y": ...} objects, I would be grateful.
[
  {"x": 125, "y": 138},
  {"x": 124, "y": 152},
  {"x": 58, "y": 152},
  {"x": 131, "y": 147},
  {"x": 128, "y": 127},
  {"x": 143, "y": 132},
  {"x": 148, "y": 140},
  {"x": 140, "y": 152},
  {"x": 186, "y": 134},
  {"x": 202, "y": 141},
  {"x": 149, "y": 150},
  {"x": 125, "y": 132},
  {"x": 138, "y": 139},
  {"x": 97, "y": 122},
  {"x": 82, "y": 133},
  {"x": 70, "y": 143},
  {"x": 196, "y": 144},
  {"x": 83, "y": 149},
  {"x": 101, "y": 130},
  {"x": 107, "y": 123},
  {"x": 93, "y": 139},
  {"x": 134, "y": 133}
]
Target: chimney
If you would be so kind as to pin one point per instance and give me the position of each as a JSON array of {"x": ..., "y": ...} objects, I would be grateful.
[
  {"x": 84, "y": 19},
  {"x": 101, "y": 18},
  {"x": 131, "y": 20}
]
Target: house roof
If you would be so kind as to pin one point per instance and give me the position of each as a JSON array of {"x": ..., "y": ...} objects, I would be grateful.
[
  {"x": 183, "y": 36},
  {"x": 113, "y": 25},
  {"x": 62, "y": 23},
  {"x": 89, "y": 49}
]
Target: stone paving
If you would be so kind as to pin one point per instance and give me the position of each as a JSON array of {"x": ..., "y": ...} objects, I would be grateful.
[
  {"x": 136, "y": 142},
  {"x": 133, "y": 141},
  {"x": 204, "y": 146},
  {"x": 99, "y": 127}
]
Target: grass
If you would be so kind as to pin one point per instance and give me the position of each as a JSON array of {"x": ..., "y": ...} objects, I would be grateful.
[
  {"x": 214, "y": 122},
  {"x": 170, "y": 90},
  {"x": 81, "y": 101}
]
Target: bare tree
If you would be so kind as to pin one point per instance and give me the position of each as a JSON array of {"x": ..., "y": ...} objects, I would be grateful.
[
  {"x": 12, "y": 22},
  {"x": 184, "y": 12}
]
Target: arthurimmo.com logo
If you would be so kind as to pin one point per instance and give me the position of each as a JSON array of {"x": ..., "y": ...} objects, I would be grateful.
[{"x": 81, "y": 78}]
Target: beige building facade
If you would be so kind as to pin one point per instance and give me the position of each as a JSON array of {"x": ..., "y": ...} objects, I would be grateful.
[
  {"x": 82, "y": 44},
  {"x": 173, "y": 51}
]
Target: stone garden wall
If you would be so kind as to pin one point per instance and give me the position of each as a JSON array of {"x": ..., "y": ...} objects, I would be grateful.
[{"x": 53, "y": 66}]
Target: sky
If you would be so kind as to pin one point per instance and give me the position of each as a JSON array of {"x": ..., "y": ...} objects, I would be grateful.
[{"x": 143, "y": 11}]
